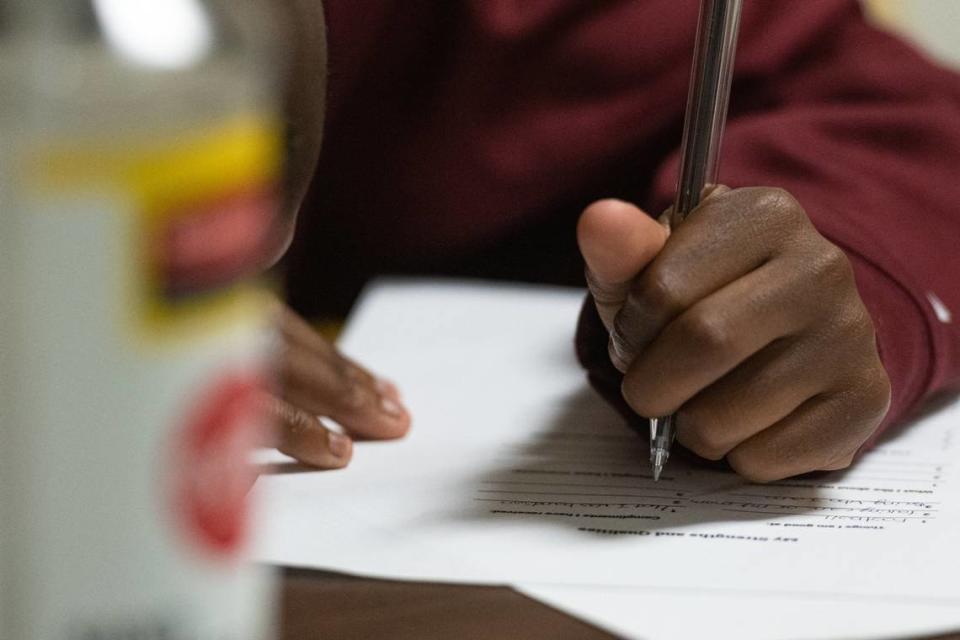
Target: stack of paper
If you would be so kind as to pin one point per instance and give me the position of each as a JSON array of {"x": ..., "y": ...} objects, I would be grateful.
[{"x": 517, "y": 473}]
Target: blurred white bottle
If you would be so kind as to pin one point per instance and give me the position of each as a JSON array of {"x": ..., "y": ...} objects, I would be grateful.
[{"x": 139, "y": 163}]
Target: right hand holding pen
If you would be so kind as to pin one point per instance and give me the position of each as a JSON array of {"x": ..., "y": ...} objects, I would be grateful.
[
  {"x": 746, "y": 323},
  {"x": 316, "y": 381}
]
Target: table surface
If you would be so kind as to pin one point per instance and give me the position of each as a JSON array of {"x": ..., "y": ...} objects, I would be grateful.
[{"x": 331, "y": 606}]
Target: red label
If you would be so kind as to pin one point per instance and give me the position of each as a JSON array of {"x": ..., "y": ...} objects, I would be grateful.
[
  {"x": 212, "y": 244},
  {"x": 213, "y": 469}
]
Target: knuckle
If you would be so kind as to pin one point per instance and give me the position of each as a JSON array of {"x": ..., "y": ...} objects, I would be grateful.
[
  {"x": 637, "y": 395},
  {"x": 354, "y": 374},
  {"x": 703, "y": 432},
  {"x": 302, "y": 374},
  {"x": 873, "y": 395},
  {"x": 842, "y": 462},
  {"x": 853, "y": 326},
  {"x": 878, "y": 387},
  {"x": 753, "y": 468},
  {"x": 779, "y": 204},
  {"x": 659, "y": 289},
  {"x": 707, "y": 331},
  {"x": 353, "y": 393},
  {"x": 847, "y": 460},
  {"x": 294, "y": 422},
  {"x": 835, "y": 258},
  {"x": 353, "y": 397},
  {"x": 300, "y": 422},
  {"x": 830, "y": 265},
  {"x": 701, "y": 443},
  {"x": 883, "y": 390}
]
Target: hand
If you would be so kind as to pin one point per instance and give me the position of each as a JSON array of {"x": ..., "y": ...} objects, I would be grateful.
[
  {"x": 316, "y": 381},
  {"x": 744, "y": 321}
]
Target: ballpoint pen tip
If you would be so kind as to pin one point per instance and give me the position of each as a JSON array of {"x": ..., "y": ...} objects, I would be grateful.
[{"x": 658, "y": 459}]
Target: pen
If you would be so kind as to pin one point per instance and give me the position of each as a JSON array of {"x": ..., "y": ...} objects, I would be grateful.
[{"x": 706, "y": 115}]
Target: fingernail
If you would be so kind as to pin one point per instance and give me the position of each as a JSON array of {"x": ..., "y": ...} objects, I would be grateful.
[
  {"x": 391, "y": 407},
  {"x": 387, "y": 388},
  {"x": 615, "y": 350},
  {"x": 339, "y": 444}
]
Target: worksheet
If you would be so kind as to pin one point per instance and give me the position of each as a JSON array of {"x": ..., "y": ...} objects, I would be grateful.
[{"x": 516, "y": 472}]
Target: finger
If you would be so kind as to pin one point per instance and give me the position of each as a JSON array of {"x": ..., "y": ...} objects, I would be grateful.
[
  {"x": 765, "y": 389},
  {"x": 302, "y": 436},
  {"x": 729, "y": 235},
  {"x": 297, "y": 333},
  {"x": 317, "y": 378},
  {"x": 617, "y": 241},
  {"x": 335, "y": 387},
  {"x": 716, "y": 335},
  {"x": 824, "y": 433}
]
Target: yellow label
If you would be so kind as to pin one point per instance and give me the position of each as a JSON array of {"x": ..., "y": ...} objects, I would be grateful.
[{"x": 204, "y": 202}]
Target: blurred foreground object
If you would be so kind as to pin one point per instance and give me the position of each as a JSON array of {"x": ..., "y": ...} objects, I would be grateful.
[
  {"x": 930, "y": 24},
  {"x": 140, "y": 145}
]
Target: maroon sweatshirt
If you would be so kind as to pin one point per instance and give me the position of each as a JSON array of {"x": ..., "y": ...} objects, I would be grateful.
[{"x": 464, "y": 138}]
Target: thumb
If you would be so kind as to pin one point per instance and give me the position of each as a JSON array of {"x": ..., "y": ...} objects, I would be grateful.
[{"x": 617, "y": 240}]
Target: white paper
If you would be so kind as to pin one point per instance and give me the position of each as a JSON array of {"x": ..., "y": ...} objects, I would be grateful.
[{"x": 516, "y": 472}]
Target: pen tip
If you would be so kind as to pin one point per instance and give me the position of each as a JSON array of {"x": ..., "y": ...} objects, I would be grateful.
[{"x": 658, "y": 459}]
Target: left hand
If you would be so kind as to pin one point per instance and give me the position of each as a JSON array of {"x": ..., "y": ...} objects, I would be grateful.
[
  {"x": 317, "y": 382},
  {"x": 746, "y": 322}
]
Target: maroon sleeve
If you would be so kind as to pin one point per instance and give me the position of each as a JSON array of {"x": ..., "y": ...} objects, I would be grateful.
[
  {"x": 865, "y": 133},
  {"x": 461, "y": 126}
]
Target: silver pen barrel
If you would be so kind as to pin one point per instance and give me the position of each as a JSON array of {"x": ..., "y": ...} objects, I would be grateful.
[{"x": 706, "y": 115}]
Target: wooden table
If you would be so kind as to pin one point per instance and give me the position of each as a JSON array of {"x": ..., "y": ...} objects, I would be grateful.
[
  {"x": 318, "y": 605},
  {"x": 329, "y": 606}
]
